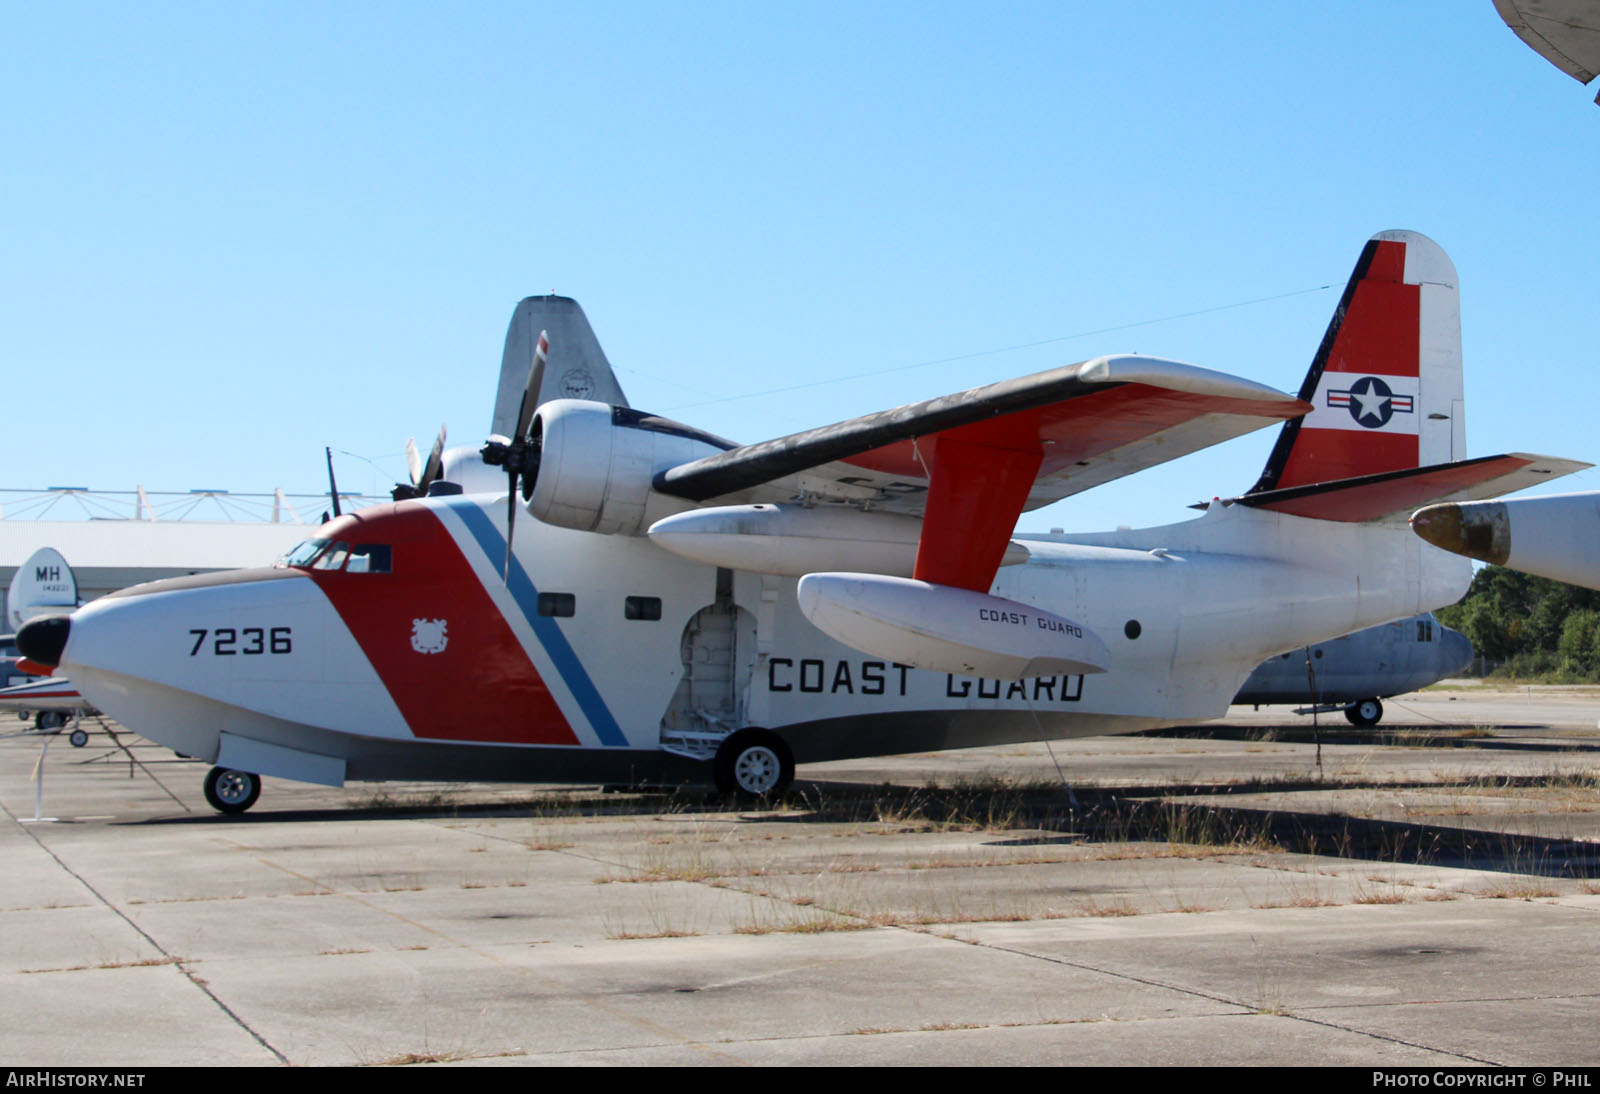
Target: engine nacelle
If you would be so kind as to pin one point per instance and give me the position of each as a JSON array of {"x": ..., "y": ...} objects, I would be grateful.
[{"x": 598, "y": 463}]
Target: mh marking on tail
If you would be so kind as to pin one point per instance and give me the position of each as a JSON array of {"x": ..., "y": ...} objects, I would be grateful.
[{"x": 1371, "y": 402}]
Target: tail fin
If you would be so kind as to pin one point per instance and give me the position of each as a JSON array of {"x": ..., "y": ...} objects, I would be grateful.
[
  {"x": 43, "y": 585},
  {"x": 1386, "y": 381},
  {"x": 1387, "y": 432},
  {"x": 577, "y": 367}
]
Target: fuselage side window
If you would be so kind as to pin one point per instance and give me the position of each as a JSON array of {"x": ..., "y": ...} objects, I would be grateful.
[
  {"x": 641, "y": 607},
  {"x": 558, "y": 605},
  {"x": 369, "y": 558}
]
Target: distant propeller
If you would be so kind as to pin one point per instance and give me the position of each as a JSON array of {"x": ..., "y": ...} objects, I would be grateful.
[
  {"x": 413, "y": 461},
  {"x": 423, "y": 475},
  {"x": 520, "y": 454},
  {"x": 333, "y": 487}
]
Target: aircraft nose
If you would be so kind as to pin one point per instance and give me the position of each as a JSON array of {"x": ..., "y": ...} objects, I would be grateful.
[
  {"x": 42, "y": 640},
  {"x": 1458, "y": 648}
]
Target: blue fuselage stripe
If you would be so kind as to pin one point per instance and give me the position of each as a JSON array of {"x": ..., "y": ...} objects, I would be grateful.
[{"x": 555, "y": 644}]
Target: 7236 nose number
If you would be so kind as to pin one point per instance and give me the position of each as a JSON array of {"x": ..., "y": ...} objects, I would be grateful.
[{"x": 228, "y": 641}]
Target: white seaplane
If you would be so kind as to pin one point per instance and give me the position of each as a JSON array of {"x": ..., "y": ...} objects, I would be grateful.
[{"x": 681, "y": 608}]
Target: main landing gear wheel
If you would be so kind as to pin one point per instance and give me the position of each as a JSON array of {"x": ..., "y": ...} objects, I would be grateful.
[
  {"x": 78, "y": 737},
  {"x": 1365, "y": 713},
  {"x": 231, "y": 791},
  {"x": 753, "y": 763}
]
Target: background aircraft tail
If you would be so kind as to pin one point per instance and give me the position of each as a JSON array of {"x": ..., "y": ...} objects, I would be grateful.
[
  {"x": 576, "y": 368},
  {"x": 43, "y": 585},
  {"x": 1386, "y": 380}
]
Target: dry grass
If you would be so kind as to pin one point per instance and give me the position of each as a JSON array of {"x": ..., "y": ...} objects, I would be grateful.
[
  {"x": 662, "y": 872},
  {"x": 822, "y": 925},
  {"x": 1101, "y": 908},
  {"x": 1389, "y": 896},
  {"x": 1518, "y": 888},
  {"x": 546, "y": 844},
  {"x": 1381, "y": 889},
  {"x": 148, "y": 962},
  {"x": 407, "y": 1059}
]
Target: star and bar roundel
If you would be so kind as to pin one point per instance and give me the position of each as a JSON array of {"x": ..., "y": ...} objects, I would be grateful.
[{"x": 1371, "y": 402}]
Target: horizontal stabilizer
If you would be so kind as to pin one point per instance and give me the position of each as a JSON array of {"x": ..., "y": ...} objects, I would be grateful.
[{"x": 1400, "y": 493}]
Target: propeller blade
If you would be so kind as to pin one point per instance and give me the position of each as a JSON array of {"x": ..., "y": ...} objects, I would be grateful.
[
  {"x": 518, "y": 454},
  {"x": 520, "y": 439},
  {"x": 434, "y": 468},
  {"x": 511, "y": 525},
  {"x": 413, "y": 461},
  {"x": 333, "y": 487},
  {"x": 530, "y": 393}
]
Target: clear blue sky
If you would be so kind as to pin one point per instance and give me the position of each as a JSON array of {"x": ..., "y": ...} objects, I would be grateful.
[{"x": 236, "y": 234}]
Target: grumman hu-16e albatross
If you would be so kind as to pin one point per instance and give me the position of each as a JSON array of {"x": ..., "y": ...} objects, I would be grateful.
[{"x": 682, "y": 608}]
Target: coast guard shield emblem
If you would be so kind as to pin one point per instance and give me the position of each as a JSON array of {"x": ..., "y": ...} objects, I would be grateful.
[
  {"x": 577, "y": 383},
  {"x": 428, "y": 635}
]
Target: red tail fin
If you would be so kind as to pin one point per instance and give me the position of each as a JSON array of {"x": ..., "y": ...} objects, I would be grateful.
[{"x": 1386, "y": 381}]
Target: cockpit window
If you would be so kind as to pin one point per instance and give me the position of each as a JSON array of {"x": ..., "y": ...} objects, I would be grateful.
[
  {"x": 333, "y": 558},
  {"x": 369, "y": 558},
  {"x": 322, "y": 554},
  {"x": 302, "y": 555}
]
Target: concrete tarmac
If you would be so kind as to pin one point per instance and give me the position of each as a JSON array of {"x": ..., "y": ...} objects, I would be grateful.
[{"x": 1428, "y": 896}]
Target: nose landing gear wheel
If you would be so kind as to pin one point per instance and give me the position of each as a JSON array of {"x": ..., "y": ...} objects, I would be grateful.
[
  {"x": 1365, "y": 713},
  {"x": 753, "y": 763},
  {"x": 231, "y": 791},
  {"x": 78, "y": 737}
]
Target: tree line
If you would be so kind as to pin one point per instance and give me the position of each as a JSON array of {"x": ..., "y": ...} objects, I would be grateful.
[{"x": 1530, "y": 626}]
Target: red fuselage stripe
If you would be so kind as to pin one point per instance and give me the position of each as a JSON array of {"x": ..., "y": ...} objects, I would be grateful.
[{"x": 436, "y": 639}]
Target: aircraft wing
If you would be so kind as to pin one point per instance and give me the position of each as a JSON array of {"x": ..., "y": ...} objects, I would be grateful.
[
  {"x": 969, "y": 463},
  {"x": 1089, "y": 423},
  {"x": 1564, "y": 32},
  {"x": 52, "y": 693}
]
